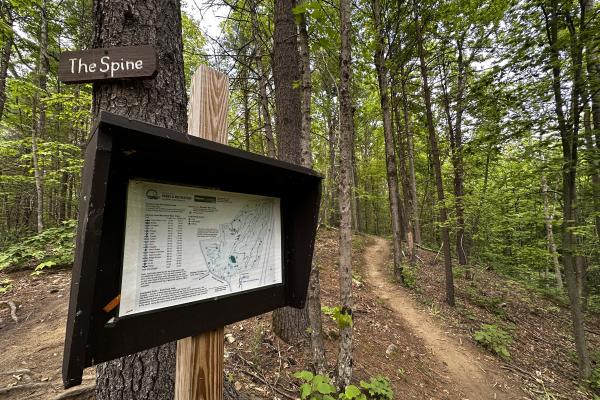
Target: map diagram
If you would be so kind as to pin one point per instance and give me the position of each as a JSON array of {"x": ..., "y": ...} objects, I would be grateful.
[{"x": 238, "y": 255}]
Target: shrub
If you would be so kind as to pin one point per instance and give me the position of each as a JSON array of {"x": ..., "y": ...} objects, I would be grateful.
[
  {"x": 319, "y": 387},
  {"x": 378, "y": 388},
  {"x": 495, "y": 339},
  {"x": 52, "y": 247}
]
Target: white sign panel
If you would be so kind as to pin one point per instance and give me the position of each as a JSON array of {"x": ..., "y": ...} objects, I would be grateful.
[{"x": 184, "y": 244}]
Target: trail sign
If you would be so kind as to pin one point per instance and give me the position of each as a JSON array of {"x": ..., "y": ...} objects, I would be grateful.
[
  {"x": 179, "y": 235},
  {"x": 108, "y": 63}
]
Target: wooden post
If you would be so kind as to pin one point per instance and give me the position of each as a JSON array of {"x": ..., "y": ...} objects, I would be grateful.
[{"x": 199, "y": 372}]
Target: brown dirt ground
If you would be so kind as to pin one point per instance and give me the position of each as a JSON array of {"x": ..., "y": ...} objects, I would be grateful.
[{"x": 261, "y": 365}]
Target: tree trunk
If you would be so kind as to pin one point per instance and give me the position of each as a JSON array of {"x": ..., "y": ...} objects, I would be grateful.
[
  {"x": 569, "y": 170},
  {"x": 593, "y": 79},
  {"x": 314, "y": 288},
  {"x": 40, "y": 129},
  {"x": 457, "y": 159},
  {"x": 7, "y": 17},
  {"x": 435, "y": 158},
  {"x": 414, "y": 205},
  {"x": 548, "y": 216},
  {"x": 390, "y": 155},
  {"x": 290, "y": 324},
  {"x": 344, "y": 373},
  {"x": 262, "y": 84},
  {"x": 162, "y": 101}
]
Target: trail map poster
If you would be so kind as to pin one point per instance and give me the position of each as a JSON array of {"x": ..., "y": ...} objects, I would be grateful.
[{"x": 184, "y": 244}]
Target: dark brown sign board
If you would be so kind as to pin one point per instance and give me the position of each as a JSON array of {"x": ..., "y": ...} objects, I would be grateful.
[
  {"x": 123, "y": 150},
  {"x": 106, "y": 64}
]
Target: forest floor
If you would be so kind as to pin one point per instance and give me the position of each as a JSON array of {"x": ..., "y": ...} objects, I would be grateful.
[{"x": 424, "y": 347}]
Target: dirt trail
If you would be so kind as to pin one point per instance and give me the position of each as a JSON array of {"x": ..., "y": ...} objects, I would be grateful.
[{"x": 470, "y": 374}]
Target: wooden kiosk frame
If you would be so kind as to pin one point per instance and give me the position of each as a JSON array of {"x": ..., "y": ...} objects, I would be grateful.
[{"x": 121, "y": 149}]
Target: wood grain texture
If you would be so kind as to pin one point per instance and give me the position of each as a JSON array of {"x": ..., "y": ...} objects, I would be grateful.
[
  {"x": 199, "y": 372},
  {"x": 208, "y": 105},
  {"x": 70, "y": 70}
]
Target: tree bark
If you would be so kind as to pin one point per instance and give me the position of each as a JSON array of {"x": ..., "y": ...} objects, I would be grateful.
[
  {"x": 548, "y": 217},
  {"x": 314, "y": 287},
  {"x": 435, "y": 158},
  {"x": 593, "y": 79},
  {"x": 162, "y": 101},
  {"x": 40, "y": 129},
  {"x": 290, "y": 324},
  {"x": 569, "y": 142},
  {"x": 390, "y": 155},
  {"x": 410, "y": 147},
  {"x": 7, "y": 17},
  {"x": 262, "y": 84},
  {"x": 344, "y": 373}
]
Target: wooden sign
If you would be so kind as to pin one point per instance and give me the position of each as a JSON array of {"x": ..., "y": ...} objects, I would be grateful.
[
  {"x": 180, "y": 235},
  {"x": 132, "y": 62}
]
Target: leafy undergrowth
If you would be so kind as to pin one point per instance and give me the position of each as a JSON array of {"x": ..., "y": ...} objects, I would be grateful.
[
  {"x": 52, "y": 248},
  {"x": 529, "y": 331}
]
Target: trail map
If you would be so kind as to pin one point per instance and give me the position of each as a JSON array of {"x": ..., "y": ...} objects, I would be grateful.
[{"x": 185, "y": 244}]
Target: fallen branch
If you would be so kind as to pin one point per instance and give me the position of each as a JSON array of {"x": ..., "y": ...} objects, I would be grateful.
[
  {"x": 16, "y": 372},
  {"x": 26, "y": 386},
  {"x": 76, "y": 392},
  {"x": 13, "y": 310}
]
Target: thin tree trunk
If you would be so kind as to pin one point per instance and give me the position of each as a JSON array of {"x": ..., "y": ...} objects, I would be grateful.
[
  {"x": 390, "y": 155},
  {"x": 40, "y": 129},
  {"x": 314, "y": 288},
  {"x": 344, "y": 370},
  {"x": 593, "y": 130},
  {"x": 594, "y": 166},
  {"x": 262, "y": 84},
  {"x": 414, "y": 204},
  {"x": 548, "y": 217},
  {"x": 435, "y": 156},
  {"x": 289, "y": 323},
  {"x": 7, "y": 17}
]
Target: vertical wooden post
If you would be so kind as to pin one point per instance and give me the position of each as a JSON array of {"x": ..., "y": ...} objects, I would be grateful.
[{"x": 199, "y": 371}]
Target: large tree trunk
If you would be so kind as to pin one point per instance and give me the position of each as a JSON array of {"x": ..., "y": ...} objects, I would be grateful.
[
  {"x": 344, "y": 372},
  {"x": 289, "y": 323},
  {"x": 390, "y": 155},
  {"x": 435, "y": 158},
  {"x": 162, "y": 101},
  {"x": 569, "y": 141},
  {"x": 7, "y": 39}
]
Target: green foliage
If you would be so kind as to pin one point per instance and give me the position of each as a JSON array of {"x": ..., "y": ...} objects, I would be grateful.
[
  {"x": 52, "y": 247},
  {"x": 5, "y": 285},
  {"x": 339, "y": 315},
  {"x": 410, "y": 276},
  {"x": 378, "y": 388},
  {"x": 595, "y": 378},
  {"x": 315, "y": 387},
  {"x": 495, "y": 339},
  {"x": 492, "y": 304},
  {"x": 319, "y": 387}
]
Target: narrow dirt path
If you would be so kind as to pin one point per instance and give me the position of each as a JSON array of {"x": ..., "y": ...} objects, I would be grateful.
[{"x": 471, "y": 375}]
